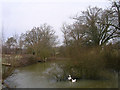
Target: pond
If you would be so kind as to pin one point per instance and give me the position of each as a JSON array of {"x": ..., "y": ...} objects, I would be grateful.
[{"x": 38, "y": 76}]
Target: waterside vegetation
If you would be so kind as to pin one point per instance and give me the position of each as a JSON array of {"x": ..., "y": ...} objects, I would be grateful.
[{"x": 91, "y": 46}]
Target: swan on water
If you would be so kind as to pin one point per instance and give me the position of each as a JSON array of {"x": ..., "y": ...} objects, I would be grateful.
[
  {"x": 69, "y": 77},
  {"x": 73, "y": 80}
]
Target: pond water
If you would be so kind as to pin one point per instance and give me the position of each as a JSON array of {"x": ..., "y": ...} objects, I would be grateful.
[{"x": 38, "y": 76}]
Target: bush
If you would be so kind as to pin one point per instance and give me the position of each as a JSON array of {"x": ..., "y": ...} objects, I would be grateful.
[
  {"x": 85, "y": 63},
  {"x": 27, "y": 60},
  {"x": 112, "y": 58},
  {"x": 89, "y": 63}
]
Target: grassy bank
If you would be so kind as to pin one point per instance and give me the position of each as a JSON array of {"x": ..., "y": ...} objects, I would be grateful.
[{"x": 18, "y": 61}]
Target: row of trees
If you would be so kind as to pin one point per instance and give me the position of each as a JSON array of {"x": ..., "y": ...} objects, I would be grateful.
[
  {"x": 94, "y": 27},
  {"x": 39, "y": 41}
]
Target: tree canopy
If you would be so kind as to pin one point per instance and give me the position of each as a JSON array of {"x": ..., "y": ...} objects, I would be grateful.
[
  {"x": 40, "y": 40},
  {"x": 93, "y": 27}
]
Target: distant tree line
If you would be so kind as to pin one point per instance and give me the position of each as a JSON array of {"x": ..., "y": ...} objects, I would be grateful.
[{"x": 39, "y": 41}]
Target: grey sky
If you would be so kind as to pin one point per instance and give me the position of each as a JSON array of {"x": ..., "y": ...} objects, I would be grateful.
[{"x": 20, "y": 16}]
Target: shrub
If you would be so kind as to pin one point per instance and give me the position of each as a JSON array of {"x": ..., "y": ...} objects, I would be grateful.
[
  {"x": 112, "y": 58},
  {"x": 85, "y": 63},
  {"x": 27, "y": 60}
]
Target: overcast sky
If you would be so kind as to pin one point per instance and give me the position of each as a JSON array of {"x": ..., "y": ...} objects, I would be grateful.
[{"x": 18, "y": 16}]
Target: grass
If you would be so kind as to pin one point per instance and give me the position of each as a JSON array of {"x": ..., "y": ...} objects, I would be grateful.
[{"x": 91, "y": 63}]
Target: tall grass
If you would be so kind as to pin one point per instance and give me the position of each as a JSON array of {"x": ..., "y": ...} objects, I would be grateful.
[
  {"x": 111, "y": 58},
  {"x": 90, "y": 63}
]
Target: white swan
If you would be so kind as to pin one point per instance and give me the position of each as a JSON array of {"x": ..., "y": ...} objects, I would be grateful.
[
  {"x": 69, "y": 77},
  {"x": 73, "y": 80}
]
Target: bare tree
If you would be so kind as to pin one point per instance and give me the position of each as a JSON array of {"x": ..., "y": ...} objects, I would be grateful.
[
  {"x": 93, "y": 27},
  {"x": 116, "y": 11},
  {"x": 40, "y": 40},
  {"x": 10, "y": 43}
]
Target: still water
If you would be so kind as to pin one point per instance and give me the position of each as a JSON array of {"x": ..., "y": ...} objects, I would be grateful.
[{"x": 39, "y": 76}]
